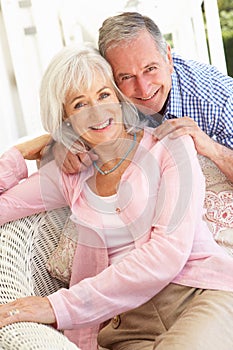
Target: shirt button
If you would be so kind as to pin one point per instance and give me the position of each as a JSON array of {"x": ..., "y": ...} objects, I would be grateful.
[{"x": 118, "y": 210}]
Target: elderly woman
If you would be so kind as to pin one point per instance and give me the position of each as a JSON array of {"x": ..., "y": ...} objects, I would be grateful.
[{"x": 147, "y": 273}]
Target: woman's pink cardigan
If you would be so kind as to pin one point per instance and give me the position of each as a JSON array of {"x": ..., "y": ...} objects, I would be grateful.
[{"x": 160, "y": 199}]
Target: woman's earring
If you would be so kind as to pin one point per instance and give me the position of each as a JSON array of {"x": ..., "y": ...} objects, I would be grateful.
[{"x": 68, "y": 124}]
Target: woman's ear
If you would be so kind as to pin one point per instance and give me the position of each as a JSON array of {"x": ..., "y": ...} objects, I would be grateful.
[{"x": 65, "y": 118}]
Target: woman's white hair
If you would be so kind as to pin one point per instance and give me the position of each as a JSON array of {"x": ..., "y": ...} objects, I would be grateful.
[{"x": 76, "y": 67}]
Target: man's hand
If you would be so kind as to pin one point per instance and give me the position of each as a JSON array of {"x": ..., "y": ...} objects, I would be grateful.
[
  {"x": 187, "y": 126},
  {"x": 72, "y": 163},
  {"x": 205, "y": 146}
]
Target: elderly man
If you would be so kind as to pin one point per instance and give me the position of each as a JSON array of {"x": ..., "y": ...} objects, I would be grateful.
[{"x": 186, "y": 96}]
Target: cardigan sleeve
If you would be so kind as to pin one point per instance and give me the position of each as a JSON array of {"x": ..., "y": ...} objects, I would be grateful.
[
  {"x": 21, "y": 195},
  {"x": 13, "y": 168}
]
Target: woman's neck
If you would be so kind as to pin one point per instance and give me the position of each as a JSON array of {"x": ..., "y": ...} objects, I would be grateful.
[
  {"x": 115, "y": 149},
  {"x": 110, "y": 166},
  {"x": 115, "y": 156}
]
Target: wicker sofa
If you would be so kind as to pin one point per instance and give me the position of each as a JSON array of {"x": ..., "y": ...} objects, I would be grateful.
[{"x": 26, "y": 245}]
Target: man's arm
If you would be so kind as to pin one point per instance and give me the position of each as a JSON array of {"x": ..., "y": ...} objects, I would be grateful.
[
  {"x": 223, "y": 158},
  {"x": 219, "y": 154}
]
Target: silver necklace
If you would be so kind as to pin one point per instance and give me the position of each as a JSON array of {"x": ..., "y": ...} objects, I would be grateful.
[{"x": 106, "y": 172}]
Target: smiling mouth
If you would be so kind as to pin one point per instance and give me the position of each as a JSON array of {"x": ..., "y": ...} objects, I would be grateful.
[
  {"x": 147, "y": 98},
  {"x": 102, "y": 126}
]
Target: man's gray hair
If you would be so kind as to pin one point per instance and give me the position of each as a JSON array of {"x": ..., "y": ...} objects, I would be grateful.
[{"x": 125, "y": 27}]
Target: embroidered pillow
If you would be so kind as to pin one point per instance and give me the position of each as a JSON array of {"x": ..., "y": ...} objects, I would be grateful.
[
  {"x": 218, "y": 204},
  {"x": 60, "y": 263}
]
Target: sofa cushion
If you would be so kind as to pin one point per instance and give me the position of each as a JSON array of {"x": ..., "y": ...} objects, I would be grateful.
[
  {"x": 218, "y": 203},
  {"x": 60, "y": 262}
]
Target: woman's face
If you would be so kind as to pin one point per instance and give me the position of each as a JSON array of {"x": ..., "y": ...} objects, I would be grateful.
[{"x": 95, "y": 114}]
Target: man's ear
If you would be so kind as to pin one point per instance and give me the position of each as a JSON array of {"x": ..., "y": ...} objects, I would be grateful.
[{"x": 169, "y": 57}]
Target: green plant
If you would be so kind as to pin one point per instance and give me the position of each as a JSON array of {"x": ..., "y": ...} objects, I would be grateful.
[{"x": 226, "y": 21}]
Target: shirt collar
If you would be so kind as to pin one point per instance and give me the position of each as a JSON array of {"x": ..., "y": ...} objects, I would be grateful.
[{"x": 174, "y": 106}]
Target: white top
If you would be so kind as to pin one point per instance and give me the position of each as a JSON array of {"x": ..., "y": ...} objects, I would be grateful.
[{"x": 119, "y": 241}]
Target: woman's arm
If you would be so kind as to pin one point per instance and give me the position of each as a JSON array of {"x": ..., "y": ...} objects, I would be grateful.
[
  {"x": 21, "y": 195},
  {"x": 13, "y": 168},
  {"x": 34, "y": 149}
]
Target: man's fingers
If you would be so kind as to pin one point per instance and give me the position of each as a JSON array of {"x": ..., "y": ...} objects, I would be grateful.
[
  {"x": 183, "y": 131},
  {"x": 72, "y": 163},
  {"x": 164, "y": 129},
  {"x": 173, "y": 125},
  {"x": 87, "y": 158}
]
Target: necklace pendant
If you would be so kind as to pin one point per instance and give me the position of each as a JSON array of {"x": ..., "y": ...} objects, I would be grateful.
[{"x": 105, "y": 172}]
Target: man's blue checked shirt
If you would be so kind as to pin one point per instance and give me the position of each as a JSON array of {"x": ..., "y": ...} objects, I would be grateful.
[{"x": 204, "y": 94}]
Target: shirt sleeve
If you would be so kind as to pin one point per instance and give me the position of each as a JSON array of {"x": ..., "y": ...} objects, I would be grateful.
[
  {"x": 203, "y": 93},
  {"x": 21, "y": 195},
  {"x": 148, "y": 269},
  {"x": 225, "y": 135}
]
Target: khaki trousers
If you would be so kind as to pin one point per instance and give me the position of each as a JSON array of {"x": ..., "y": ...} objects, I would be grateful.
[{"x": 178, "y": 318}]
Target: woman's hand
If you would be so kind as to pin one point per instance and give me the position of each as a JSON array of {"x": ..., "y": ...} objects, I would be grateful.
[
  {"x": 33, "y": 149},
  {"x": 28, "y": 309}
]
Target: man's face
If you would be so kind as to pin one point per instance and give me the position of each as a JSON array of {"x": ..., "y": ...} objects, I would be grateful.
[{"x": 141, "y": 72}]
